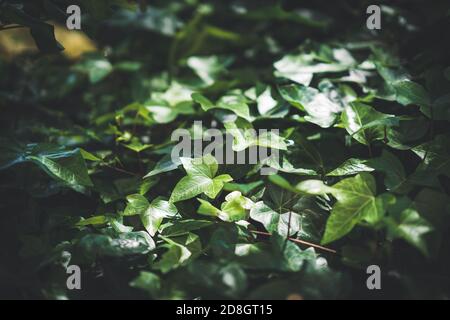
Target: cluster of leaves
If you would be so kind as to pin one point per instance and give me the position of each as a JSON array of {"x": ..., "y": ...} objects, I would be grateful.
[{"x": 87, "y": 176}]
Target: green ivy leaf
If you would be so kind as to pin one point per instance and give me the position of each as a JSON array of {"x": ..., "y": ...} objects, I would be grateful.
[
  {"x": 233, "y": 102},
  {"x": 182, "y": 250},
  {"x": 137, "y": 204},
  {"x": 155, "y": 213},
  {"x": 409, "y": 92},
  {"x": 244, "y": 136},
  {"x": 96, "y": 220},
  {"x": 137, "y": 146},
  {"x": 318, "y": 107},
  {"x": 405, "y": 222},
  {"x": 314, "y": 187},
  {"x": 151, "y": 214},
  {"x": 435, "y": 155},
  {"x": 356, "y": 119},
  {"x": 209, "y": 68},
  {"x": 275, "y": 221},
  {"x": 234, "y": 208},
  {"x": 356, "y": 201},
  {"x": 66, "y": 166},
  {"x": 266, "y": 103},
  {"x": 166, "y": 164},
  {"x": 201, "y": 178},
  {"x": 393, "y": 169},
  {"x": 124, "y": 244},
  {"x": 301, "y": 68},
  {"x": 350, "y": 167},
  {"x": 97, "y": 68}
]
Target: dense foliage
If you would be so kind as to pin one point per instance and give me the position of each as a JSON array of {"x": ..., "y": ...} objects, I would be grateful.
[{"x": 86, "y": 175}]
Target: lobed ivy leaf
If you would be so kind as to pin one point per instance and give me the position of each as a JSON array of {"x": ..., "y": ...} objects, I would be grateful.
[
  {"x": 395, "y": 175},
  {"x": 235, "y": 208},
  {"x": 409, "y": 92},
  {"x": 356, "y": 201},
  {"x": 301, "y": 68},
  {"x": 244, "y": 136},
  {"x": 234, "y": 102},
  {"x": 319, "y": 108},
  {"x": 405, "y": 222},
  {"x": 151, "y": 214},
  {"x": 201, "y": 178},
  {"x": 287, "y": 223},
  {"x": 279, "y": 255},
  {"x": 182, "y": 249},
  {"x": 435, "y": 155},
  {"x": 356, "y": 119}
]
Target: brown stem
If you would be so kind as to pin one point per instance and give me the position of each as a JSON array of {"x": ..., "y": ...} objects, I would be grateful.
[
  {"x": 306, "y": 243},
  {"x": 141, "y": 168},
  {"x": 370, "y": 150},
  {"x": 288, "y": 230},
  {"x": 289, "y": 224}
]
